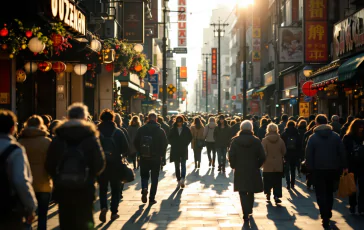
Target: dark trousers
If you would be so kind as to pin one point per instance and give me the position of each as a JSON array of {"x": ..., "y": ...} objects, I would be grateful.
[
  {"x": 197, "y": 154},
  {"x": 104, "y": 181},
  {"x": 150, "y": 168},
  {"x": 180, "y": 167},
  {"x": 247, "y": 201},
  {"x": 273, "y": 180},
  {"x": 358, "y": 199},
  {"x": 76, "y": 213},
  {"x": 324, "y": 181},
  {"x": 43, "y": 203},
  {"x": 221, "y": 156},
  {"x": 290, "y": 171},
  {"x": 211, "y": 151}
]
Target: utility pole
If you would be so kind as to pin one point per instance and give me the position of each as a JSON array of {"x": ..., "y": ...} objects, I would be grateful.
[
  {"x": 207, "y": 67},
  {"x": 220, "y": 33},
  {"x": 177, "y": 85},
  {"x": 243, "y": 52}
]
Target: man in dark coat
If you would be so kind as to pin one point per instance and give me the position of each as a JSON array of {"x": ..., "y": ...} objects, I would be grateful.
[
  {"x": 326, "y": 158},
  {"x": 76, "y": 205},
  {"x": 336, "y": 126},
  {"x": 283, "y": 123},
  {"x": 109, "y": 129},
  {"x": 236, "y": 128},
  {"x": 151, "y": 163},
  {"x": 246, "y": 157}
]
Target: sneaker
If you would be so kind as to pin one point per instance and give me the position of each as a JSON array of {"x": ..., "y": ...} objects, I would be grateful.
[
  {"x": 114, "y": 217},
  {"x": 151, "y": 202},
  {"x": 102, "y": 216},
  {"x": 144, "y": 195},
  {"x": 182, "y": 183},
  {"x": 277, "y": 200}
]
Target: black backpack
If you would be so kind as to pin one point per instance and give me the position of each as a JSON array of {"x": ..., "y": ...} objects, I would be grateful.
[
  {"x": 146, "y": 144},
  {"x": 8, "y": 199},
  {"x": 292, "y": 142},
  {"x": 109, "y": 146},
  {"x": 72, "y": 171}
]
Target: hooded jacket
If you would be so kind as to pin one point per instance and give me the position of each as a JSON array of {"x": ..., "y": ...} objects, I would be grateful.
[
  {"x": 246, "y": 156},
  {"x": 325, "y": 150},
  {"x": 197, "y": 134},
  {"x": 209, "y": 132},
  {"x": 36, "y": 143},
  {"x": 179, "y": 143},
  {"x": 292, "y": 132},
  {"x": 222, "y": 136},
  {"x": 275, "y": 149}
]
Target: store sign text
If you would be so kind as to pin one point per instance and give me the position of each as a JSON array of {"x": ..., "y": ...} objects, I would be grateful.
[
  {"x": 67, "y": 12},
  {"x": 182, "y": 23}
]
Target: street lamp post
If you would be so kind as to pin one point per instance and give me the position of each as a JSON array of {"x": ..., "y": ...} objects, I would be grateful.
[{"x": 206, "y": 89}]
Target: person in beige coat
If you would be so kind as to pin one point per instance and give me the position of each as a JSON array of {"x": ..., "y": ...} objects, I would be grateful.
[
  {"x": 275, "y": 149},
  {"x": 34, "y": 138},
  {"x": 198, "y": 140}
]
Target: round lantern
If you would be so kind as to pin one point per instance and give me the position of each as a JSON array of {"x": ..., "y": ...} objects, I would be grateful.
[
  {"x": 4, "y": 32},
  {"x": 96, "y": 45},
  {"x": 20, "y": 76},
  {"x": 30, "y": 67},
  {"x": 117, "y": 73},
  {"x": 138, "y": 68},
  {"x": 45, "y": 66},
  {"x": 4, "y": 46},
  {"x": 35, "y": 45},
  {"x": 80, "y": 69},
  {"x": 307, "y": 71},
  {"x": 57, "y": 39},
  {"x": 138, "y": 48},
  {"x": 59, "y": 67},
  {"x": 69, "y": 68},
  {"x": 308, "y": 90},
  {"x": 151, "y": 71},
  {"x": 109, "y": 67},
  {"x": 28, "y": 34}
]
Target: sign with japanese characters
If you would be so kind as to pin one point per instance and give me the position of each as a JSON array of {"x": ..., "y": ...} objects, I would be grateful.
[
  {"x": 256, "y": 52},
  {"x": 315, "y": 10},
  {"x": 182, "y": 23},
  {"x": 133, "y": 23},
  {"x": 213, "y": 65},
  {"x": 304, "y": 109},
  {"x": 204, "y": 84},
  {"x": 291, "y": 45}
]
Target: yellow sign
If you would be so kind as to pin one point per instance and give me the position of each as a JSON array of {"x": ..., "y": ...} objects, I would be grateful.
[
  {"x": 304, "y": 109},
  {"x": 256, "y": 32},
  {"x": 4, "y": 98}
]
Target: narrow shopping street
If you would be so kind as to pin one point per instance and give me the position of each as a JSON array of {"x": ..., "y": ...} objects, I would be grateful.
[{"x": 208, "y": 202}]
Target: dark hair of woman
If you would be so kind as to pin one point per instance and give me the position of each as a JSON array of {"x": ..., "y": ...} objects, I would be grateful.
[
  {"x": 311, "y": 125},
  {"x": 263, "y": 121},
  {"x": 197, "y": 123},
  {"x": 291, "y": 123},
  {"x": 179, "y": 118},
  {"x": 355, "y": 126}
]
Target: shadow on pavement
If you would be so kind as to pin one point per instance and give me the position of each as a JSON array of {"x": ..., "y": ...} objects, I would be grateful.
[{"x": 281, "y": 217}]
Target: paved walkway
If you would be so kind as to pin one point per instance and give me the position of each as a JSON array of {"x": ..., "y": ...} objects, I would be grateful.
[{"x": 208, "y": 202}]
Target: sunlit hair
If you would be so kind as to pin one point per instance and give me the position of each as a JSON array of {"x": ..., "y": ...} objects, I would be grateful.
[
  {"x": 77, "y": 111},
  {"x": 290, "y": 123},
  {"x": 212, "y": 120},
  {"x": 272, "y": 128},
  {"x": 118, "y": 120},
  {"x": 135, "y": 119},
  {"x": 35, "y": 121},
  {"x": 302, "y": 123},
  {"x": 246, "y": 125},
  {"x": 354, "y": 127},
  {"x": 197, "y": 123},
  {"x": 263, "y": 121}
]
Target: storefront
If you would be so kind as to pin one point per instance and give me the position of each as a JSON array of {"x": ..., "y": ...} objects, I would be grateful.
[
  {"x": 131, "y": 93},
  {"x": 289, "y": 103},
  {"x": 266, "y": 93}
]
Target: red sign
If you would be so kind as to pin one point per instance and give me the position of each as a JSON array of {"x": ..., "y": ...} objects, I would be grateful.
[
  {"x": 204, "y": 84},
  {"x": 295, "y": 9},
  {"x": 213, "y": 61},
  {"x": 307, "y": 89},
  {"x": 233, "y": 97},
  {"x": 315, "y": 10},
  {"x": 316, "y": 44},
  {"x": 182, "y": 23}
]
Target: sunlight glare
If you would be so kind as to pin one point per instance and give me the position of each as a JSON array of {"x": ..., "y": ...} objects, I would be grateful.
[{"x": 245, "y": 3}]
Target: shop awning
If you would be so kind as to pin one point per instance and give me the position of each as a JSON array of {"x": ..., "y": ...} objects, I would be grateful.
[
  {"x": 322, "y": 78},
  {"x": 262, "y": 89},
  {"x": 132, "y": 86},
  {"x": 350, "y": 68},
  {"x": 250, "y": 92}
]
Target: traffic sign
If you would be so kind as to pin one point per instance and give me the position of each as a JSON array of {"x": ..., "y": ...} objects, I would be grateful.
[
  {"x": 180, "y": 50},
  {"x": 171, "y": 89},
  {"x": 293, "y": 101},
  {"x": 233, "y": 97},
  {"x": 307, "y": 99}
]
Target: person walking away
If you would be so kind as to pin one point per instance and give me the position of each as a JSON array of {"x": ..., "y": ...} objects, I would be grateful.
[
  {"x": 197, "y": 130},
  {"x": 311, "y": 126},
  {"x": 34, "y": 138},
  {"x": 345, "y": 127},
  {"x": 222, "y": 136},
  {"x": 179, "y": 138},
  {"x": 246, "y": 157},
  {"x": 275, "y": 149},
  {"x": 326, "y": 158},
  {"x": 115, "y": 146},
  {"x": 74, "y": 160},
  {"x": 302, "y": 129},
  {"x": 291, "y": 138},
  {"x": 354, "y": 146},
  {"x": 282, "y": 125},
  {"x": 151, "y": 142},
  {"x": 336, "y": 126},
  {"x": 262, "y": 129},
  {"x": 236, "y": 128},
  {"x": 164, "y": 125},
  {"x": 17, "y": 197},
  {"x": 133, "y": 127},
  {"x": 210, "y": 141}
]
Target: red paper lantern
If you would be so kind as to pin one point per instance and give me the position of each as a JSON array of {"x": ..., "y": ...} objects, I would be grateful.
[
  {"x": 59, "y": 67},
  {"x": 57, "y": 39},
  {"x": 138, "y": 68},
  {"x": 89, "y": 66},
  {"x": 308, "y": 90},
  {"x": 109, "y": 67},
  {"x": 45, "y": 66},
  {"x": 28, "y": 34},
  {"x": 151, "y": 71},
  {"x": 4, "y": 32}
]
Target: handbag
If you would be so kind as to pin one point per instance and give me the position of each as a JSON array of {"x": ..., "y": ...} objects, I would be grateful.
[
  {"x": 347, "y": 185},
  {"x": 126, "y": 172}
]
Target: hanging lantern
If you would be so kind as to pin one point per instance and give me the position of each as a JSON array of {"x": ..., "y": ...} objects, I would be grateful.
[
  {"x": 138, "y": 68},
  {"x": 4, "y": 31},
  {"x": 28, "y": 34},
  {"x": 30, "y": 67},
  {"x": 69, "y": 68},
  {"x": 4, "y": 46},
  {"x": 20, "y": 76},
  {"x": 151, "y": 71},
  {"x": 138, "y": 48},
  {"x": 59, "y": 67},
  {"x": 35, "y": 45},
  {"x": 45, "y": 66},
  {"x": 57, "y": 39},
  {"x": 116, "y": 74},
  {"x": 308, "y": 90},
  {"x": 108, "y": 55},
  {"x": 109, "y": 67},
  {"x": 96, "y": 45},
  {"x": 80, "y": 69}
]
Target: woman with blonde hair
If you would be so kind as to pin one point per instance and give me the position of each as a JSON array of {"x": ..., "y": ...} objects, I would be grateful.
[
  {"x": 134, "y": 125},
  {"x": 275, "y": 149}
]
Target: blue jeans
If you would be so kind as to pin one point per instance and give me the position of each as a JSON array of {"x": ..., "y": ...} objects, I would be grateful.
[
  {"x": 115, "y": 192},
  {"x": 43, "y": 199},
  {"x": 221, "y": 156},
  {"x": 180, "y": 167}
]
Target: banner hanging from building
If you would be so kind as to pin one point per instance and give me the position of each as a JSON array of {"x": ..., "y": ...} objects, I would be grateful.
[
  {"x": 213, "y": 65},
  {"x": 204, "y": 84},
  {"x": 256, "y": 55},
  {"x": 291, "y": 44},
  {"x": 133, "y": 23},
  {"x": 316, "y": 31},
  {"x": 183, "y": 74},
  {"x": 182, "y": 23}
]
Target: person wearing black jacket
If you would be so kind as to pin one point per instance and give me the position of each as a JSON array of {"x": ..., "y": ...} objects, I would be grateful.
[
  {"x": 236, "y": 128},
  {"x": 307, "y": 135},
  {"x": 109, "y": 129},
  {"x": 291, "y": 138},
  {"x": 153, "y": 162},
  {"x": 345, "y": 127}
]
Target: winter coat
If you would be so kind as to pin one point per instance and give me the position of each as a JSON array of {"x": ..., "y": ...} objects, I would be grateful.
[
  {"x": 282, "y": 127},
  {"x": 336, "y": 127},
  {"x": 80, "y": 133},
  {"x": 301, "y": 134},
  {"x": 306, "y": 137},
  {"x": 349, "y": 141},
  {"x": 106, "y": 128},
  {"x": 275, "y": 149},
  {"x": 36, "y": 143},
  {"x": 209, "y": 132},
  {"x": 20, "y": 174},
  {"x": 261, "y": 132},
  {"x": 288, "y": 133},
  {"x": 325, "y": 150},
  {"x": 132, "y": 131},
  {"x": 197, "y": 134},
  {"x": 165, "y": 127},
  {"x": 344, "y": 129},
  {"x": 222, "y": 136},
  {"x": 179, "y": 143},
  {"x": 235, "y": 129},
  {"x": 256, "y": 127},
  {"x": 246, "y": 156}
]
